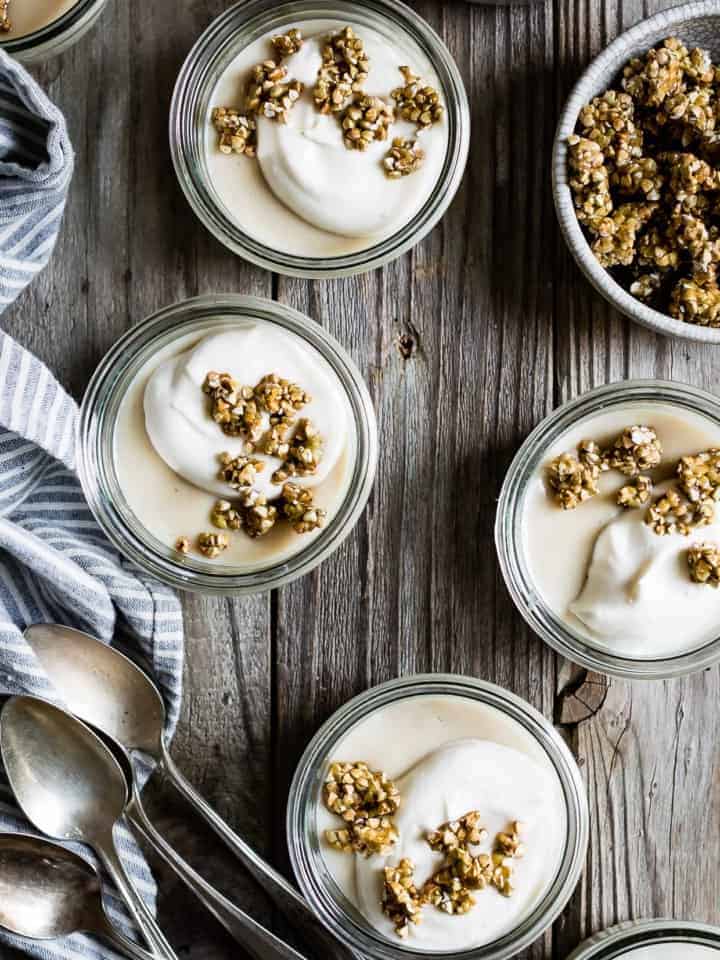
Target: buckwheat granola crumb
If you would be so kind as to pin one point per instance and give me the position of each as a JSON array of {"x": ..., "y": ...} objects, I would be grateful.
[
  {"x": 270, "y": 93},
  {"x": 704, "y": 564},
  {"x": 286, "y": 44},
  {"x": 365, "y": 800},
  {"x": 343, "y": 71},
  {"x": 211, "y": 545},
  {"x": 416, "y": 101},
  {"x": 401, "y": 900},
  {"x": 237, "y": 132},
  {"x": 403, "y": 158},
  {"x": 635, "y": 494},
  {"x": 572, "y": 481},
  {"x": 366, "y": 119},
  {"x": 637, "y": 450}
]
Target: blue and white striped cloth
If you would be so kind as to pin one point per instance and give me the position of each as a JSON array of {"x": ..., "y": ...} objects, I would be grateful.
[
  {"x": 55, "y": 563},
  {"x": 36, "y": 166}
]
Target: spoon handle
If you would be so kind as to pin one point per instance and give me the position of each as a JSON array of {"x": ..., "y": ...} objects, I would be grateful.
[
  {"x": 147, "y": 923},
  {"x": 120, "y": 943},
  {"x": 283, "y": 894},
  {"x": 255, "y": 939}
]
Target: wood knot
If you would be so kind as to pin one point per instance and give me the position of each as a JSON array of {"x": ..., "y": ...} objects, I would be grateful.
[
  {"x": 582, "y": 698},
  {"x": 408, "y": 341}
]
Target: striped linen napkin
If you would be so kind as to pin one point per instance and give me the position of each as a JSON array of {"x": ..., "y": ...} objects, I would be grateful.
[{"x": 55, "y": 563}]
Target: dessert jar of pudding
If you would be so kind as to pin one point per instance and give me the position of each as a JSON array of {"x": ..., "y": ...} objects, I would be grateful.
[
  {"x": 33, "y": 30},
  {"x": 227, "y": 444},
  {"x": 437, "y": 815},
  {"x": 608, "y": 529},
  {"x": 653, "y": 940},
  {"x": 319, "y": 139}
]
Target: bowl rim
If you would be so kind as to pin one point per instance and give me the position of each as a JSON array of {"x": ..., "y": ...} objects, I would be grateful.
[
  {"x": 356, "y": 932},
  {"x": 198, "y": 76},
  {"x": 578, "y": 245}
]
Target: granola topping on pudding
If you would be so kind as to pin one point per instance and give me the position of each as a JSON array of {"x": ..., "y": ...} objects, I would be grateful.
[
  {"x": 622, "y": 526},
  {"x": 234, "y": 447},
  {"x": 446, "y": 837},
  {"x": 327, "y": 137}
]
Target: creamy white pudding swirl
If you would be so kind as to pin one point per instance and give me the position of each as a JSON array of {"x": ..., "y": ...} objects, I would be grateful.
[
  {"x": 602, "y": 569},
  {"x": 448, "y": 756},
  {"x": 307, "y": 194},
  {"x": 167, "y": 444}
]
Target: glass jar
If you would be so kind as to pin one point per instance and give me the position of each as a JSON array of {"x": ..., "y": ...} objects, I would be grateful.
[
  {"x": 622, "y": 940},
  {"x": 97, "y": 462},
  {"x": 190, "y": 126},
  {"x": 509, "y": 527},
  {"x": 303, "y": 833},
  {"x": 57, "y": 36}
]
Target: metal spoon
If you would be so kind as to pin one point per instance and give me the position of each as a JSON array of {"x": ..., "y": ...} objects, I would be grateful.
[
  {"x": 47, "y": 892},
  {"x": 107, "y": 690},
  {"x": 254, "y": 938},
  {"x": 70, "y": 787}
]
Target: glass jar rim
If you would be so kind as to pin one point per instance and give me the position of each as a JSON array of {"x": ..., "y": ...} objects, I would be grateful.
[
  {"x": 614, "y": 942},
  {"x": 508, "y": 521},
  {"x": 197, "y": 79},
  {"x": 309, "y": 775},
  {"x": 56, "y": 35},
  {"x": 124, "y": 359}
]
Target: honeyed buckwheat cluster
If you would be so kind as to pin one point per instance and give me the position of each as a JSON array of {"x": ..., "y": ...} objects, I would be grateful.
[
  {"x": 574, "y": 479},
  {"x": 704, "y": 563},
  {"x": 464, "y": 873},
  {"x": 343, "y": 71},
  {"x": 269, "y": 92},
  {"x": 266, "y": 417},
  {"x": 688, "y": 502},
  {"x": 338, "y": 90},
  {"x": 645, "y": 176},
  {"x": 366, "y": 800}
]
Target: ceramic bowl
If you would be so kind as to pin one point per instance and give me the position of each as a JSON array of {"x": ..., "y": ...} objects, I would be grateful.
[{"x": 697, "y": 24}]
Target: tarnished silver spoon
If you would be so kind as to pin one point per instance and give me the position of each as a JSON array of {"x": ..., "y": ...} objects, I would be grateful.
[
  {"x": 108, "y": 691},
  {"x": 48, "y": 892},
  {"x": 69, "y": 785},
  {"x": 256, "y": 940}
]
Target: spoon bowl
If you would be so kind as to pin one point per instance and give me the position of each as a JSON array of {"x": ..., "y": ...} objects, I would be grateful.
[
  {"x": 48, "y": 892},
  {"x": 106, "y": 689},
  {"x": 71, "y": 787},
  {"x": 65, "y": 807}
]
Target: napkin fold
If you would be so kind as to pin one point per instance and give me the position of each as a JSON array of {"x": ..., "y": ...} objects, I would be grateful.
[{"x": 56, "y": 565}]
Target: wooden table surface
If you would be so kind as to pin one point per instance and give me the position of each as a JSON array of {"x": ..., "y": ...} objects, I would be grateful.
[{"x": 466, "y": 342}]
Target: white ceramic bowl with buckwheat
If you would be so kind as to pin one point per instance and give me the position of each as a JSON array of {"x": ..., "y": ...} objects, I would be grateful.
[{"x": 696, "y": 24}]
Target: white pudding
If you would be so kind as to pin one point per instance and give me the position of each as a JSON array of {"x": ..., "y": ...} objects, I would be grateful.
[
  {"x": 447, "y": 756},
  {"x": 306, "y": 194},
  {"x": 601, "y": 568},
  {"x": 167, "y": 444},
  {"x": 27, "y": 16}
]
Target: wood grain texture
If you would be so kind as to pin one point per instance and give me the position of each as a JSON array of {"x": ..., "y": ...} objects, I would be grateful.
[{"x": 466, "y": 342}]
